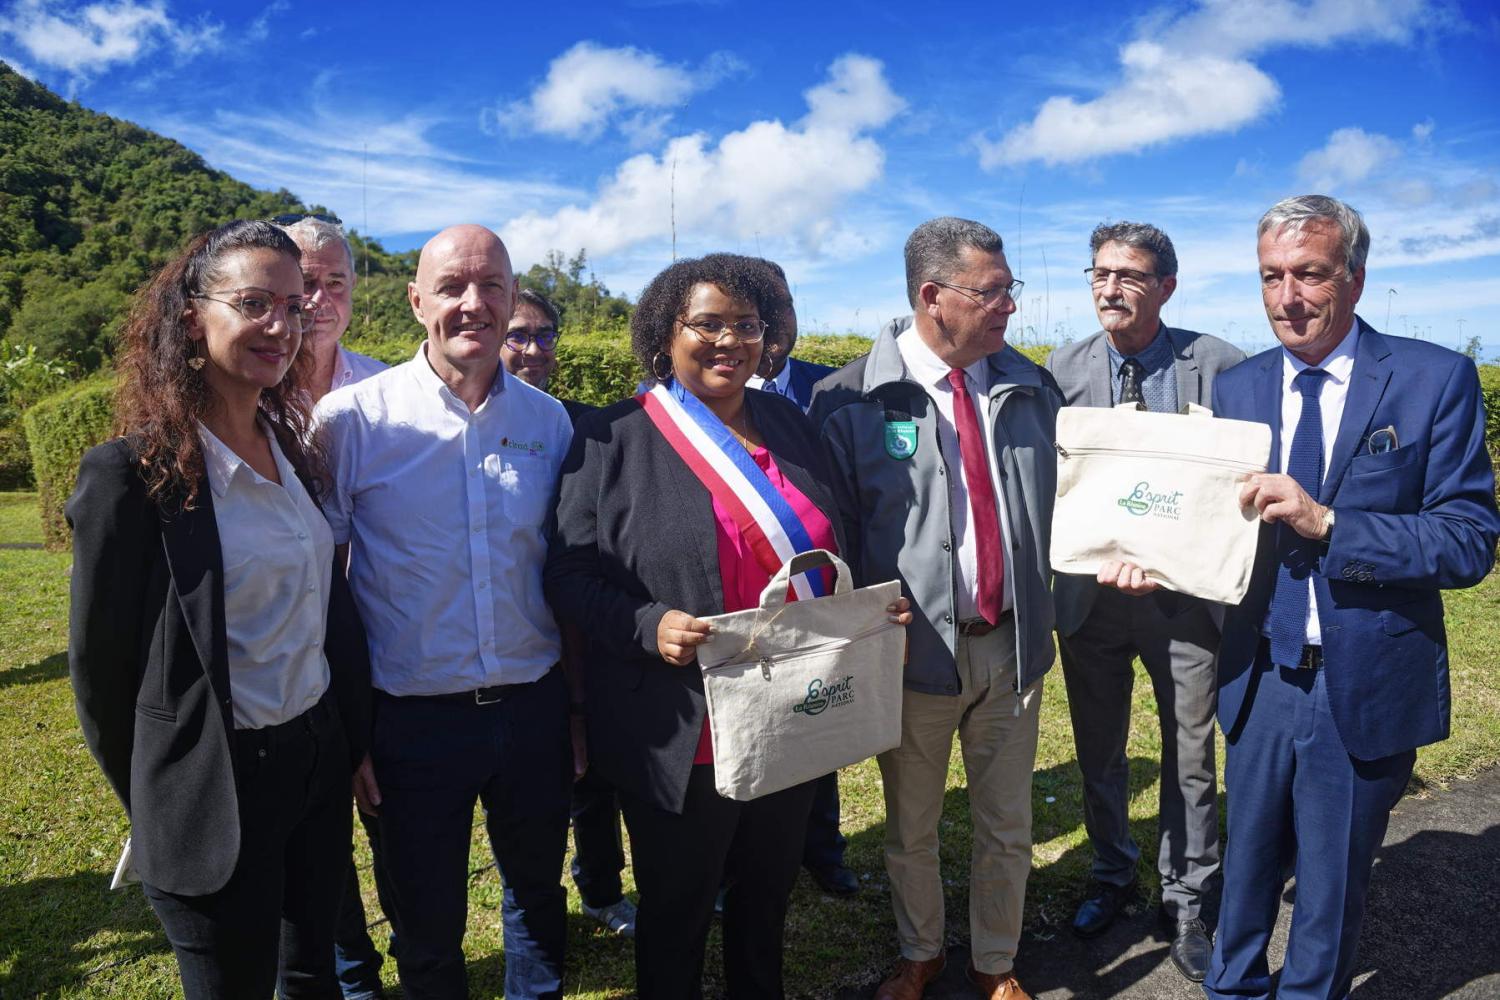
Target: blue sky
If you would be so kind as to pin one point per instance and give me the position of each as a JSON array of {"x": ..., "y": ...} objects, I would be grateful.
[{"x": 820, "y": 135}]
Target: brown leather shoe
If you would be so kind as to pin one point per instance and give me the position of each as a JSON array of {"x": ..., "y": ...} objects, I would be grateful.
[
  {"x": 998, "y": 985},
  {"x": 910, "y": 978}
]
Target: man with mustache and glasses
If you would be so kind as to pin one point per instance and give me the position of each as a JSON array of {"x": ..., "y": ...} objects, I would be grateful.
[{"x": 1137, "y": 358}]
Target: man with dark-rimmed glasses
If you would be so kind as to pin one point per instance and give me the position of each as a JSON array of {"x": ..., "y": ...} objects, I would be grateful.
[{"x": 1136, "y": 358}]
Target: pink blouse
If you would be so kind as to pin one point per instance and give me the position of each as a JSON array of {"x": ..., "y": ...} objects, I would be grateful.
[{"x": 741, "y": 575}]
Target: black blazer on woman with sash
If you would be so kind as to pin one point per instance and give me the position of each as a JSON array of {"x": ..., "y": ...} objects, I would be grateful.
[
  {"x": 634, "y": 539},
  {"x": 148, "y": 655}
]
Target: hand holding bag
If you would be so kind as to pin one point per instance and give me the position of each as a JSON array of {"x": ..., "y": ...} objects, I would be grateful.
[
  {"x": 1160, "y": 490},
  {"x": 798, "y": 690}
]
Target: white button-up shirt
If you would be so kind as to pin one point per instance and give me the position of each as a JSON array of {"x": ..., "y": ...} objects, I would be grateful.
[
  {"x": 351, "y": 366},
  {"x": 278, "y": 567},
  {"x": 1340, "y": 368},
  {"x": 930, "y": 370},
  {"x": 444, "y": 509}
]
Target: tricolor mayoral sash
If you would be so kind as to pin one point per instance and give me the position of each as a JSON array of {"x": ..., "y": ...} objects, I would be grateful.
[{"x": 768, "y": 523}]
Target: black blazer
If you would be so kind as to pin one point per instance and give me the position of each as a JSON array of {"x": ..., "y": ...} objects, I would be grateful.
[
  {"x": 634, "y": 539},
  {"x": 148, "y": 655}
]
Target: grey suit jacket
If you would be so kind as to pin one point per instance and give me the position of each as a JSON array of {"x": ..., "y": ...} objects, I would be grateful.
[{"x": 1082, "y": 371}]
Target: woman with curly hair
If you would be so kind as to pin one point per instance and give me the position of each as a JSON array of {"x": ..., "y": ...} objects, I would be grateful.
[
  {"x": 218, "y": 664},
  {"x": 645, "y": 545}
]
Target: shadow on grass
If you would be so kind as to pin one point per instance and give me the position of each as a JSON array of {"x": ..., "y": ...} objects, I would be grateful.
[
  {"x": 47, "y": 927},
  {"x": 50, "y": 669}
]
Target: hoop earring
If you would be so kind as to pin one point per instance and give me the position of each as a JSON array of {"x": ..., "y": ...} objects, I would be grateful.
[{"x": 658, "y": 356}]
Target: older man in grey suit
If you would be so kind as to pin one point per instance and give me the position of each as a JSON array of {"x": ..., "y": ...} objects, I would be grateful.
[{"x": 1136, "y": 358}]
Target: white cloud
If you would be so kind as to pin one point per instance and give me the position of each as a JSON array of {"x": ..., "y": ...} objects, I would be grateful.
[
  {"x": 1350, "y": 155},
  {"x": 1196, "y": 76},
  {"x": 589, "y": 87},
  {"x": 766, "y": 180},
  {"x": 400, "y": 184},
  {"x": 100, "y": 35}
]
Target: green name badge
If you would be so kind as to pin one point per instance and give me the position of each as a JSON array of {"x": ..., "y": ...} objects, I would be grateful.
[{"x": 901, "y": 438}]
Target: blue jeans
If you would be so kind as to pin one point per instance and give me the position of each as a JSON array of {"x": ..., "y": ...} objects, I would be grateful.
[{"x": 434, "y": 758}]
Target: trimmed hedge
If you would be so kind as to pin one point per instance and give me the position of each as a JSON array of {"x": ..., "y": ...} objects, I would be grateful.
[
  {"x": 597, "y": 369},
  {"x": 60, "y": 429}
]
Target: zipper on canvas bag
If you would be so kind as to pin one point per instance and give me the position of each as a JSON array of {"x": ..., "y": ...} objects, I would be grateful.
[
  {"x": 1223, "y": 463},
  {"x": 802, "y": 651}
]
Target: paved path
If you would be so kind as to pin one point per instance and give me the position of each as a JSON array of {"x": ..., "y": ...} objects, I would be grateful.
[{"x": 1432, "y": 929}]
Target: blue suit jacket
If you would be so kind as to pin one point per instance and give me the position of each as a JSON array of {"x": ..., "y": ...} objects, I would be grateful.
[
  {"x": 1410, "y": 522},
  {"x": 801, "y": 378}
]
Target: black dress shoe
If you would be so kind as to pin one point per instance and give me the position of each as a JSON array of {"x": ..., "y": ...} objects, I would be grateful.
[
  {"x": 836, "y": 880},
  {"x": 1097, "y": 912},
  {"x": 1191, "y": 950}
]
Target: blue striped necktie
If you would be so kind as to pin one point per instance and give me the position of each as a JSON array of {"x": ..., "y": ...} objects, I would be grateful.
[{"x": 1298, "y": 556}]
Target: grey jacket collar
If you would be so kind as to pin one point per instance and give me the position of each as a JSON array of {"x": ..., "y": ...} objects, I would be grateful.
[
  {"x": 1101, "y": 390},
  {"x": 885, "y": 369}
]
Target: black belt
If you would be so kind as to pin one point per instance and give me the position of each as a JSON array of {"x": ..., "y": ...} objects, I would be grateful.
[
  {"x": 1311, "y": 657},
  {"x": 973, "y": 628},
  {"x": 479, "y": 696}
]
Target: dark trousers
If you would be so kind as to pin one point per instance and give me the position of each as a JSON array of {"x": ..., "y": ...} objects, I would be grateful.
[
  {"x": 355, "y": 957},
  {"x": 1178, "y": 650},
  {"x": 680, "y": 861},
  {"x": 823, "y": 847},
  {"x": 434, "y": 758},
  {"x": 278, "y": 909},
  {"x": 598, "y": 854},
  {"x": 1296, "y": 794}
]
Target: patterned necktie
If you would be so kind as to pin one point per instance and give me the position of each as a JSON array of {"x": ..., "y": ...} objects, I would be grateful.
[
  {"x": 1132, "y": 374},
  {"x": 1298, "y": 555},
  {"x": 984, "y": 515},
  {"x": 769, "y": 385}
]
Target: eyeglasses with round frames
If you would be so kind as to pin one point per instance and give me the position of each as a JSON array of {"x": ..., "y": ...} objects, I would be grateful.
[
  {"x": 521, "y": 338},
  {"x": 744, "y": 331},
  {"x": 1134, "y": 280},
  {"x": 988, "y": 297},
  {"x": 258, "y": 305}
]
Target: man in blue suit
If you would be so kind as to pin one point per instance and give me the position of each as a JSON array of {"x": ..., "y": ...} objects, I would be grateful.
[{"x": 1335, "y": 667}]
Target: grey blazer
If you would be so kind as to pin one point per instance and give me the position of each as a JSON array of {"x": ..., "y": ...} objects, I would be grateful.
[{"x": 1082, "y": 372}]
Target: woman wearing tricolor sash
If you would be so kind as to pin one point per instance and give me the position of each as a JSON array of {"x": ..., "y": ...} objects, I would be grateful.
[{"x": 676, "y": 505}]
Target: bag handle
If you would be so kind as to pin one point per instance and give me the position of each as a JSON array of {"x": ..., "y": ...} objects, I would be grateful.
[{"x": 775, "y": 593}]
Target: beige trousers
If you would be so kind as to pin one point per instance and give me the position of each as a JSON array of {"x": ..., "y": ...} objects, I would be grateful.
[{"x": 997, "y": 730}]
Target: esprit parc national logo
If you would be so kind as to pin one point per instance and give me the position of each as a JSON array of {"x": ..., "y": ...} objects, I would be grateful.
[
  {"x": 821, "y": 696},
  {"x": 1143, "y": 500},
  {"x": 532, "y": 448}
]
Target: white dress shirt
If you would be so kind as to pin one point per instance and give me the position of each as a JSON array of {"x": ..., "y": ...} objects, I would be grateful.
[
  {"x": 780, "y": 383},
  {"x": 278, "y": 567},
  {"x": 1340, "y": 368},
  {"x": 445, "y": 508},
  {"x": 930, "y": 370},
  {"x": 351, "y": 366}
]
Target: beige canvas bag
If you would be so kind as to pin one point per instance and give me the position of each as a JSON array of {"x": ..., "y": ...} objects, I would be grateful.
[
  {"x": 1160, "y": 490},
  {"x": 798, "y": 690}
]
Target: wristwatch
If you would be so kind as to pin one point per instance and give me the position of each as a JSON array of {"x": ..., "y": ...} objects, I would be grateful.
[{"x": 1327, "y": 523}]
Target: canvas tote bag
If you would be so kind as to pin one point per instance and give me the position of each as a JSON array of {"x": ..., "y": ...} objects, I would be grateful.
[
  {"x": 798, "y": 690},
  {"x": 1160, "y": 490}
]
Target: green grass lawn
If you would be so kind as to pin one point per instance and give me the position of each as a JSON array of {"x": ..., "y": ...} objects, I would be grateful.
[{"x": 63, "y": 934}]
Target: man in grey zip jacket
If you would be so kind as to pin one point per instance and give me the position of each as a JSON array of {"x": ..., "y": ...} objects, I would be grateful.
[{"x": 963, "y": 519}]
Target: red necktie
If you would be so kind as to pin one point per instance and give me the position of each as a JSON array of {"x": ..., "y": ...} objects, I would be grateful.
[{"x": 985, "y": 515}]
